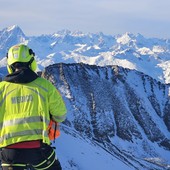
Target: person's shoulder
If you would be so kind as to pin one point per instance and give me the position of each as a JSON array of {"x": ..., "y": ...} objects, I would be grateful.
[
  {"x": 44, "y": 81},
  {"x": 3, "y": 84},
  {"x": 41, "y": 79}
]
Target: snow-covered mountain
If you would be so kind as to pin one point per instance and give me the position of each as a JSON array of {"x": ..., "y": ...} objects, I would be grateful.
[
  {"x": 117, "y": 95},
  {"x": 148, "y": 55},
  {"x": 117, "y": 118}
]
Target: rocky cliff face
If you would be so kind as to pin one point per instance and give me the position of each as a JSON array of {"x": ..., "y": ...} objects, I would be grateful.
[{"x": 115, "y": 107}]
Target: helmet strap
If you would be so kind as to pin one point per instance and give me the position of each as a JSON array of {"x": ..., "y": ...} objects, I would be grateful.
[
  {"x": 30, "y": 62},
  {"x": 12, "y": 68}
]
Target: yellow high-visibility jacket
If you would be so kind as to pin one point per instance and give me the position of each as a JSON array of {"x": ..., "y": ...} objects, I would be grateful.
[{"x": 25, "y": 111}]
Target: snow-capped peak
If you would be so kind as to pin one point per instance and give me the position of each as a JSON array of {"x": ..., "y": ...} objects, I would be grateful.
[
  {"x": 11, "y": 28},
  {"x": 125, "y": 38}
]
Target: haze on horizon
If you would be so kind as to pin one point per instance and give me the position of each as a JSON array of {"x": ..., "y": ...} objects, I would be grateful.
[{"x": 148, "y": 17}]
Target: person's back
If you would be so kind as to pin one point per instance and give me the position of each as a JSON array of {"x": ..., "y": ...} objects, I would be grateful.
[{"x": 27, "y": 103}]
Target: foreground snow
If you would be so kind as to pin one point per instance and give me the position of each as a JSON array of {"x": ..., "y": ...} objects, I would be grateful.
[{"x": 76, "y": 153}]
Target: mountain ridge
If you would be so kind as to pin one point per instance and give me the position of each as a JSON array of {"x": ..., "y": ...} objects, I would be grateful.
[{"x": 112, "y": 106}]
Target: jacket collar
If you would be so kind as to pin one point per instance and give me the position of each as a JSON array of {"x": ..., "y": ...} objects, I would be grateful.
[{"x": 25, "y": 75}]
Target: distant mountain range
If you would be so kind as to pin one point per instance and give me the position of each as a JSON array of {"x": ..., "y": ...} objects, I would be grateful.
[{"x": 148, "y": 55}]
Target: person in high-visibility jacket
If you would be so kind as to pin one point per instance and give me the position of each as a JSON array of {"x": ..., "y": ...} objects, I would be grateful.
[{"x": 27, "y": 104}]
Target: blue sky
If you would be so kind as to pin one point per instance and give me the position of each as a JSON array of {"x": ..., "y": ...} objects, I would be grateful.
[{"x": 150, "y": 18}]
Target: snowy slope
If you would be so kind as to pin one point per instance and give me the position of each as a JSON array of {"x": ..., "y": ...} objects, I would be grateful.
[
  {"x": 78, "y": 153},
  {"x": 148, "y": 55}
]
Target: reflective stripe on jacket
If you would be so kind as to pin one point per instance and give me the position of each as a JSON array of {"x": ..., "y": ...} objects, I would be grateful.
[{"x": 25, "y": 108}]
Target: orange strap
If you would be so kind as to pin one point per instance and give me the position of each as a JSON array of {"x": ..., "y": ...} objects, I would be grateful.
[{"x": 53, "y": 130}]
